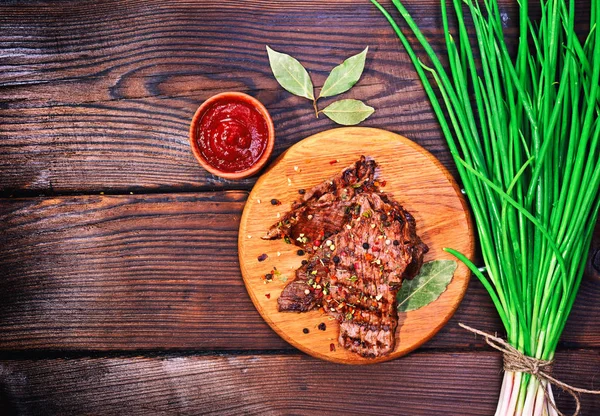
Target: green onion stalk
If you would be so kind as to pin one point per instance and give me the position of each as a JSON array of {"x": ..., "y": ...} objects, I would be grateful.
[{"x": 523, "y": 128}]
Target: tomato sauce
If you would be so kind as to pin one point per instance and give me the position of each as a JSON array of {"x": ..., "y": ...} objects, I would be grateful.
[{"x": 232, "y": 135}]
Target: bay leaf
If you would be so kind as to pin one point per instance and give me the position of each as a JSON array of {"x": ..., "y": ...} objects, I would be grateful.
[
  {"x": 348, "y": 112},
  {"x": 427, "y": 286},
  {"x": 344, "y": 76},
  {"x": 290, "y": 74}
]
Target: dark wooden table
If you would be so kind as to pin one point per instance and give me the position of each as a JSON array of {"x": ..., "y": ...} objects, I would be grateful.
[{"x": 119, "y": 279}]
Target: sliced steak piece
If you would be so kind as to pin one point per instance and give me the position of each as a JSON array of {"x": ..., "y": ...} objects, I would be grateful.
[
  {"x": 323, "y": 210},
  {"x": 296, "y": 298},
  {"x": 355, "y": 273},
  {"x": 302, "y": 293}
]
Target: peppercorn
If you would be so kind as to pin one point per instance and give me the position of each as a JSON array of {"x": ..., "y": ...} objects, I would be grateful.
[
  {"x": 301, "y": 191},
  {"x": 305, "y": 330},
  {"x": 336, "y": 259},
  {"x": 396, "y": 242},
  {"x": 275, "y": 202},
  {"x": 262, "y": 257},
  {"x": 304, "y": 262},
  {"x": 383, "y": 216},
  {"x": 300, "y": 252},
  {"x": 322, "y": 326},
  {"x": 366, "y": 246}
]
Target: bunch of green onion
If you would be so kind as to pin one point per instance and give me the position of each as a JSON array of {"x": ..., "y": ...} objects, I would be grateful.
[{"x": 524, "y": 132}]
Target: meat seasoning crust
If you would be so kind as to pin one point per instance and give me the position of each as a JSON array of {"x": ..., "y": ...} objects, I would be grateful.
[{"x": 362, "y": 244}]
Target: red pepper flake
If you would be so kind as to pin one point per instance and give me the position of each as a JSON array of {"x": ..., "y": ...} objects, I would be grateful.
[
  {"x": 268, "y": 295},
  {"x": 376, "y": 249},
  {"x": 368, "y": 257},
  {"x": 318, "y": 243},
  {"x": 333, "y": 162},
  {"x": 332, "y": 347},
  {"x": 262, "y": 257}
]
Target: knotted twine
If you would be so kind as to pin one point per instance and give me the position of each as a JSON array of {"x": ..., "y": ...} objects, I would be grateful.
[{"x": 515, "y": 361}]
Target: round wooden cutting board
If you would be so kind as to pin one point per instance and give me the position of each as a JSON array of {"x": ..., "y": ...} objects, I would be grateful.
[{"x": 413, "y": 177}]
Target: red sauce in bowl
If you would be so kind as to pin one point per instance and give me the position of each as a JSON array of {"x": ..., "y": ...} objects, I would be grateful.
[{"x": 232, "y": 134}]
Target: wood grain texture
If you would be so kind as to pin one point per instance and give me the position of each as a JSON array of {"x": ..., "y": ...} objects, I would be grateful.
[
  {"x": 155, "y": 272},
  {"x": 97, "y": 96},
  {"x": 413, "y": 177},
  {"x": 108, "y": 108},
  {"x": 79, "y": 272},
  {"x": 421, "y": 384}
]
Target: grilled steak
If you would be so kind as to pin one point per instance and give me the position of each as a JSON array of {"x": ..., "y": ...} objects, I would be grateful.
[
  {"x": 324, "y": 209},
  {"x": 362, "y": 244}
]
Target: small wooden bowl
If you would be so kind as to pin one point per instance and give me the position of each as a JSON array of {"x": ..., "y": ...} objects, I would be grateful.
[{"x": 238, "y": 96}]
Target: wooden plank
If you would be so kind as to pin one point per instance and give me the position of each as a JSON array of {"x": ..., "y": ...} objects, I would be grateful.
[
  {"x": 92, "y": 104},
  {"x": 84, "y": 272},
  {"x": 141, "y": 145},
  {"x": 89, "y": 103},
  {"x": 149, "y": 272},
  {"x": 419, "y": 384}
]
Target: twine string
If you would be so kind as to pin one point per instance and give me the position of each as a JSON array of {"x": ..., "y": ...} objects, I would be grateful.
[{"x": 516, "y": 361}]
